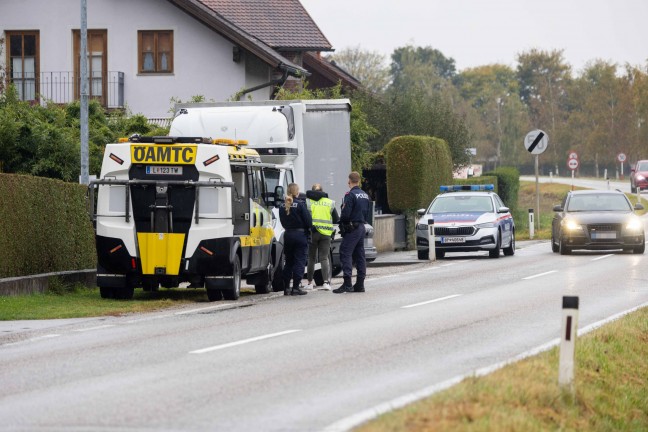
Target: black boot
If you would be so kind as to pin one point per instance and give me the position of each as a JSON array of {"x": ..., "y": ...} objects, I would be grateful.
[
  {"x": 345, "y": 288},
  {"x": 359, "y": 285}
]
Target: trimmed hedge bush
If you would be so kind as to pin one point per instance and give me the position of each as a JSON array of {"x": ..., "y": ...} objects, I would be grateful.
[
  {"x": 477, "y": 181},
  {"x": 44, "y": 226},
  {"x": 508, "y": 185},
  {"x": 416, "y": 167}
]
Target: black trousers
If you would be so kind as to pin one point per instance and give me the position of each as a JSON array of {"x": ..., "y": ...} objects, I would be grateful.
[
  {"x": 295, "y": 251},
  {"x": 352, "y": 251}
]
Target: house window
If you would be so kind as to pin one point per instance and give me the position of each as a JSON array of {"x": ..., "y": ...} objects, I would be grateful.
[
  {"x": 23, "y": 62},
  {"x": 155, "y": 50}
]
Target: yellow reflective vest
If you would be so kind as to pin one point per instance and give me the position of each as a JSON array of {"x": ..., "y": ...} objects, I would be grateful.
[{"x": 322, "y": 212}]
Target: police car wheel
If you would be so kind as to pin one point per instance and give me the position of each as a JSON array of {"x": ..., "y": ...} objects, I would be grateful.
[
  {"x": 234, "y": 290},
  {"x": 510, "y": 250},
  {"x": 423, "y": 254},
  {"x": 495, "y": 253}
]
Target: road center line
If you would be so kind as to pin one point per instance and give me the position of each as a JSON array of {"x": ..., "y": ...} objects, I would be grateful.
[
  {"x": 241, "y": 342},
  {"x": 431, "y": 301},
  {"x": 540, "y": 274},
  {"x": 602, "y": 257},
  {"x": 34, "y": 339}
]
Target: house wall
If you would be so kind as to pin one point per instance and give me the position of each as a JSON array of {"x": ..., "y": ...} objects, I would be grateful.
[{"x": 203, "y": 62}]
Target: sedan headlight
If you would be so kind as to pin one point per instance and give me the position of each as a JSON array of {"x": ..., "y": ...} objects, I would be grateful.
[
  {"x": 634, "y": 225},
  {"x": 639, "y": 177},
  {"x": 486, "y": 225},
  {"x": 571, "y": 225}
]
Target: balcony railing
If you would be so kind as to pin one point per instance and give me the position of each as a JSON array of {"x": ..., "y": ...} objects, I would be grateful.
[{"x": 63, "y": 87}]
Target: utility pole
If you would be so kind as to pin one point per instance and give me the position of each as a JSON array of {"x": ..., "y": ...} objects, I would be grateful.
[{"x": 84, "y": 178}]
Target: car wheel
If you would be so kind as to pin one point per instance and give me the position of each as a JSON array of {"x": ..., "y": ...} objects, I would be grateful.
[
  {"x": 336, "y": 270},
  {"x": 265, "y": 283},
  {"x": 106, "y": 292},
  {"x": 563, "y": 248},
  {"x": 439, "y": 253},
  {"x": 510, "y": 250},
  {"x": 640, "y": 249},
  {"x": 554, "y": 246},
  {"x": 214, "y": 294},
  {"x": 125, "y": 293},
  {"x": 277, "y": 279},
  {"x": 495, "y": 253},
  {"x": 423, "y": 254}
]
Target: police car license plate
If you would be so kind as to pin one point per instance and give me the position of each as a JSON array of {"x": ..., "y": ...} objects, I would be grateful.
[
  {"x": 165, "y": 170},
  {"x": 605, "y": 235},
  {"x": 453, "y": 240}
]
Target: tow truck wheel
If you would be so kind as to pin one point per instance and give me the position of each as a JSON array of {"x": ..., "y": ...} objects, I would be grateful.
[
  {"x": 106, "y": 292},
  {"x": 234, "y": 291},
  {"x": 264, "y": 286},
  {"x": 214, "y": 294},
  {"x": 495, "y": 253},
  {"x": 125, "y": 293}
]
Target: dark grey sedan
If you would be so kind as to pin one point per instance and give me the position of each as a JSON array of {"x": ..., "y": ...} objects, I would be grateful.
[{"x": 597, "y": 220}]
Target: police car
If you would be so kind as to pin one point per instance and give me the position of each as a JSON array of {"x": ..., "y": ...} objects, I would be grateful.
[{"x": 467, "y": 218}]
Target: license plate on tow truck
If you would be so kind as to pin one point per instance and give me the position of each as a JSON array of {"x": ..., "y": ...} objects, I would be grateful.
[
  {"x": 169, "y": 170},
  {"x": 446, "y": 240}
]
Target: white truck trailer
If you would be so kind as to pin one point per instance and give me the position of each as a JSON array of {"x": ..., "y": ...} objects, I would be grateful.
[{"x": 309, "y": 139}]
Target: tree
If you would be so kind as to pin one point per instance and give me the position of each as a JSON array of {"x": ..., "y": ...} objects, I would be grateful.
[
  {"x": 544, "y": 78},
  {"x": 367, "y": 66}
]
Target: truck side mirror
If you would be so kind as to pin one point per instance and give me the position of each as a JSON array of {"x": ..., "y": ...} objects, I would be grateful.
[{"x": 278, "y": 195}]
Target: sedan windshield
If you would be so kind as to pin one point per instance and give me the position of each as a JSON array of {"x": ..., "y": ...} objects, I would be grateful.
[
  {"x": 461, "y": 203},
  {"x": 643, "y": 166},
  {"x": 598, "y": 202}
]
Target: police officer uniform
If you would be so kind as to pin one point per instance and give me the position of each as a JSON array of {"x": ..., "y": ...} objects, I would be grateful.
[
  {"x": 297, "y": 225},
  {"x": 352, "y": 224}
]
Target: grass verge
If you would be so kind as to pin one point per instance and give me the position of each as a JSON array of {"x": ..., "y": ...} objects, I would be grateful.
[
  {"x": 77, "y": 301},
  {"x": 611, "y": 391}
]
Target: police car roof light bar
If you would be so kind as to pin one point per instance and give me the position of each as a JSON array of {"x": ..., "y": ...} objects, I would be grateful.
[{"x": 458, "y": 188}]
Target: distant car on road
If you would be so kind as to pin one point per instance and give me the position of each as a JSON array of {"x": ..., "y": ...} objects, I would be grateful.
[
  {"x": 639, "y": 176},
  {"x": 597, "y": 220},
  {"x": 467, "y": 218}
]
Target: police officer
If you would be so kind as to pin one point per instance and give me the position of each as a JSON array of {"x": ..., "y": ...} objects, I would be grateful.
[
  {"x": 297, "y": 222},
  {"x": 354, "y": 215},
  {"x": 324, "y": 215}
]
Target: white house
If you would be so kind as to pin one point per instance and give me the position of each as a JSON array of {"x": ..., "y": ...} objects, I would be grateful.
[{"x": 142, "y": 53}]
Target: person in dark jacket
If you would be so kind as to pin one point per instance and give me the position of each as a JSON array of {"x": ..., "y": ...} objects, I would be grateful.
[
  {"x": 355, "y": 212},
  {"x": 324, "y": 214},
  {"x": 297, "y": 222}
]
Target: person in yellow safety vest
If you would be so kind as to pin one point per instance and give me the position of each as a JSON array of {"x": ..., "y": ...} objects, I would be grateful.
[{"x": 324, "y": 217}]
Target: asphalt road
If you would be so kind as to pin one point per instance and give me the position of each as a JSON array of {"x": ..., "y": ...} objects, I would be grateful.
[{"x": 278, "y": 363}]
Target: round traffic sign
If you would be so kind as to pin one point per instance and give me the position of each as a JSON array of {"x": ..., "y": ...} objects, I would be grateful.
[
  {"x": 621, "y": 157},
  {"x": 572, "y": 164},
  {"x": 536, "y": 142},
  {"x": 572, "y": 155}
]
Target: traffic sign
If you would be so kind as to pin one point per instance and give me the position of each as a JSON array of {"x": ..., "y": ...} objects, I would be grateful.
[
  {"x": 572, "y": 155},
  {"x": 536, "y": 142},
  {"x": 572, "y": 164},
  {"x": 621, "y": 157}
]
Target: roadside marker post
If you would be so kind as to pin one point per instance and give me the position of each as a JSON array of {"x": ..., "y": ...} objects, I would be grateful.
[
  {"x": 431, "y": 241},
  {"x": 568, "y": 342},
  {"x": 531, "y": 226}
]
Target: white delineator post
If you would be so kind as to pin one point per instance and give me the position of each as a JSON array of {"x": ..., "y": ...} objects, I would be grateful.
[
  {"x": 568, "y": 342},
  {"x": 431, "y": 241},
  {"x": 531, "y": 227}
]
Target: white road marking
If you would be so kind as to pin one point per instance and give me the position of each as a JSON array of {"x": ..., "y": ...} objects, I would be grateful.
[
  {"x": 431, "y": 301},
  {"x": 94, "y": 328},
  {"x": 411, "y": 272},
  {"x": 35, "y": 339},
  {"x": 220, "y": 306},
  {"x": 602, "y": 257},
  {"x": 241, "y": 342},
  {"x": 357, "y": 419},
  {"x": 540, "y": 274}
]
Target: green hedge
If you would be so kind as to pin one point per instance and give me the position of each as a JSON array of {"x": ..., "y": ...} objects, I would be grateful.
[
  {"x": 508, "y": 185},
  {"x": 44, "y": 226},
  {"x": 416, "y": 167}
]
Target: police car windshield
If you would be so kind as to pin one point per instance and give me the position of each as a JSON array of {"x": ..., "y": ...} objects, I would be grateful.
[
  {"x": 461, "y": 203},
  {"x": 598, "y": 202}
]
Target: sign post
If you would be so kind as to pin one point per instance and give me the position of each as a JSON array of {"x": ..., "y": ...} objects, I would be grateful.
[
  {"x": 536, "y": 143},
  {"x": 572, "y": 164},
  {"x": 621, "y": 157}
]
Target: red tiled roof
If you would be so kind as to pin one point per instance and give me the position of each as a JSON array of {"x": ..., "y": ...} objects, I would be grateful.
[{"x": 280, "y": 24}]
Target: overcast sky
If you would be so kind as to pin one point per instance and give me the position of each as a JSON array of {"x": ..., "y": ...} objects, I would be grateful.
[{"x": 480, "y": 32}]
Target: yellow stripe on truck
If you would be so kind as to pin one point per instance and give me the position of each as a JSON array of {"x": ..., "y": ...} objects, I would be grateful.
[
  {"x": 161, "y": 251},
  {"x": 163, "y": 154}
]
